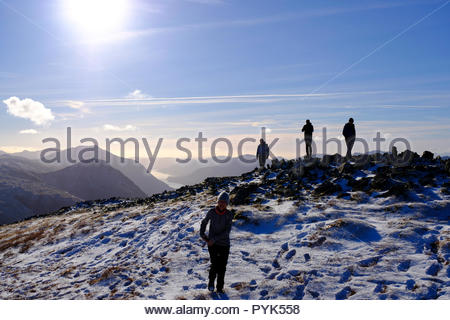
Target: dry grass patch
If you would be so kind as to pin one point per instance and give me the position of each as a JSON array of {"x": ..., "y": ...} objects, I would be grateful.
[{"x": 24, "y": 239}]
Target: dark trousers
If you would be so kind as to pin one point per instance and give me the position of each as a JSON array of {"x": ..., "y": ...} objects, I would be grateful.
[
  {"x": 308, "y": 142},
  {"x": 262, "y": 161},
  {"x": 219, "y": 258},
  {"x": 349, "y": 141}
]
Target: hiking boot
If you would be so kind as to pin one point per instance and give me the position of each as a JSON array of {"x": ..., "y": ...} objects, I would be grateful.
[{"x": 211, "y": 286}]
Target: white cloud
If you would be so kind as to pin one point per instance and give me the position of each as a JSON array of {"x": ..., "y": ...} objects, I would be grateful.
[
  {"x": 28, "y": 131},
  {"x": 110, "y": 127},
  {"x": 78, "y": 105},
  {"x": 137, "y": 94},
  {"x": 29, "y": 109}
]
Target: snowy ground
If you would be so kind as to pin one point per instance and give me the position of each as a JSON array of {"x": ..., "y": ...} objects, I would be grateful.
[{"x": 356, "y": 247}]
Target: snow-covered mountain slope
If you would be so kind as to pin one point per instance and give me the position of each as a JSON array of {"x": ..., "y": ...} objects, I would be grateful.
[{"x": 301, "y": 230}]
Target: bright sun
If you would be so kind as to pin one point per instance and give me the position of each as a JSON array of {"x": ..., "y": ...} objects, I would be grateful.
[{"x": 97, "y": 17}]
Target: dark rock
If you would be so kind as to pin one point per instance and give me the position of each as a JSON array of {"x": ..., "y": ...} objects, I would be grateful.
[
  {"x": 275, "y": 264},
  {"x": 381, "y": 182},
  {"x": 241, "y": 194},
  {"x": 298, "y": 169},
  {"x": 276, "y": 164},
  {"x": 427, "y": 180},
  {"x": 317, "y": 243},
  {"x": 369, "y": 262},
  {"x": 342, "y": 195},
  {"x": 394, "y": 153},
  {"x": 427, "y": 155},
  {"x": 327, "y": 188},
  {"x": 359, "y": 185},
  {"x": 397, "y": 190},
  {"x": 346, "y": 168},
  {"x": 447, "y": 166},
  {"x": 406, "y": 158}
]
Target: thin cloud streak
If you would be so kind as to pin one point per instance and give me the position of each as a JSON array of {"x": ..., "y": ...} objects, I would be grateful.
[{"x": 256, "y": 98}]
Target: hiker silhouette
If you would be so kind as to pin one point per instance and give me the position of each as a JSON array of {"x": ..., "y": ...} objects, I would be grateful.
[
  {"x": 262, "y": 153},
  {"x": 308, "y": 129},
  {"x": 349, "y": 133}
]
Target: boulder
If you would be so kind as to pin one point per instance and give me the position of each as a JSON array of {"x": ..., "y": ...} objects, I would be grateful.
[
  {"x": 447, "y": 166},
  {"x": 276, "y": 164},
  {"x": 428, "y": 156},
  {"x": 381, "y": 182},
  {"x": 397, "y": 190},
  {"x": 406, "y": 158},
  {"x": 327, "y": 188},
  {"x": 359, "y": 185},
  {"x": 298, "y": 169},
  {"x": 241, "y": 194}
]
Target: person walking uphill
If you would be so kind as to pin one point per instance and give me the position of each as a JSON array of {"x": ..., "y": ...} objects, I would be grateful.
[
  {"x": 349, "y": 133},
  {"x": 218, "y": 239},
  {"x": 262, "y": 153},
  {"x": 308, "y": 129}
]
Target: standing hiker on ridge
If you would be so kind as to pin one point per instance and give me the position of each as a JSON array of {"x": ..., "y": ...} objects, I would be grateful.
[
  {"x": 349, "y": 133},
  {"x": 218, "y": 239},
  {"x": 308, "y": 129},
  {"x": 262, "y": 153}
]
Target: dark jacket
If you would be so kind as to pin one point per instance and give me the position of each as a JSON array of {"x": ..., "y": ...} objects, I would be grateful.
[
  {"x": 262, "y": 151},
  {"x": 219, "y": 227},
  {"x": 308, "y": 129},
  {"x": 349, "y": 130}
]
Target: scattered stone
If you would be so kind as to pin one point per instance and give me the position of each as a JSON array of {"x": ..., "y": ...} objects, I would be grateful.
[
  {"x": 290, "y": 254},
  {"x": 410, "y": 284},
  {"x": 369, "y": 262},
  {"x": 275, "y": 264},
  {"x": 307, "y": 257}
]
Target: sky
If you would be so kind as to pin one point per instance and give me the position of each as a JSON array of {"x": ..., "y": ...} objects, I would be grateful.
[{"x": 173, "y": 68}]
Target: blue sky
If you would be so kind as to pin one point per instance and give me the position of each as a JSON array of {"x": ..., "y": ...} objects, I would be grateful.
[{"x": 169, "y": 69}]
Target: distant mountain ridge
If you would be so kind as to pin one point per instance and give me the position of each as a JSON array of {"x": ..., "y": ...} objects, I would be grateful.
[
  {"x": 93, "y": 181},
  {"x": 136, "y": 172},
  {"x": 29, "y": 187}
]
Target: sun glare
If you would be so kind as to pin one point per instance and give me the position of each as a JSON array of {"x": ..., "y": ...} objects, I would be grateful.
[{"x": 97, "y": 17}]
